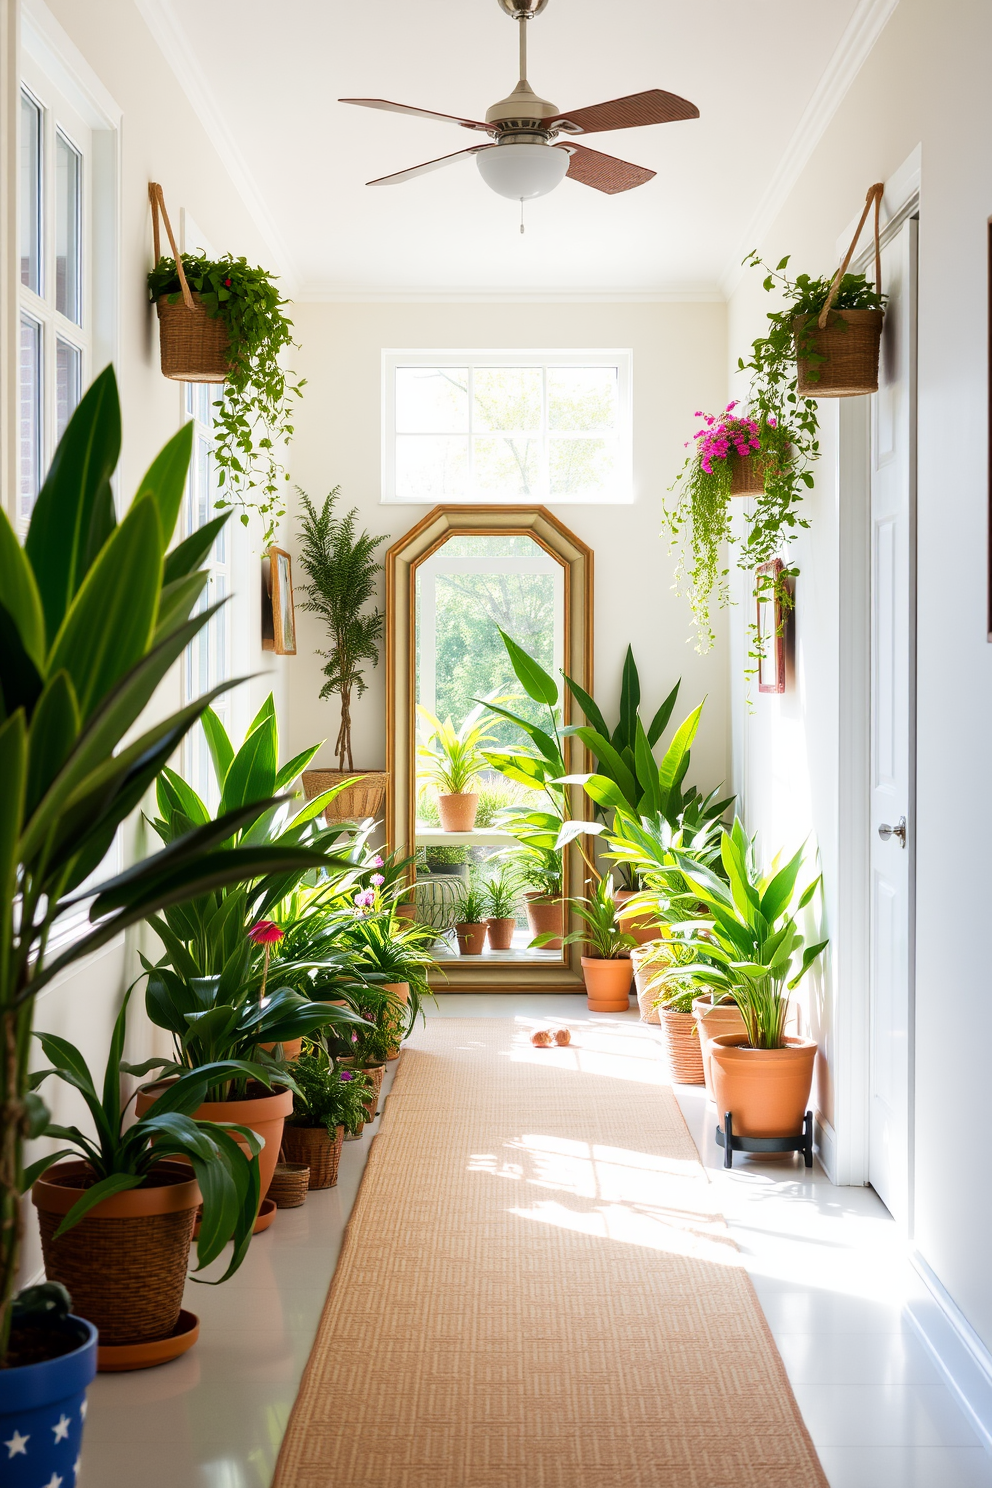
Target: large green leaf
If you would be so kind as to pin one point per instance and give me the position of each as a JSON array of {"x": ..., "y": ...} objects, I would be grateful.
[
  {"x": 165, "y": 479},
  {"x": 252, "y": 775},
  {"x": 671, "y": 771},
  {"x": 295, "y": 767},
  {"x": 21, "y": 682},
  {"x": 54, "y": 730},
  {"x": 13, "y": 773},
  {"x": 177, "y": 601},
  {"x": 607, "y": 756},
  {"x": 659, "y": 722},
  {"x": 588, "y": 706},
  {"x": 114, "y": 1183},
  {"x": 630, "y": 698},
  {"x": 20, "y": 593},
  {"x": 109, "y": 623},
  {"x": 193, "y": 550},
  {"x": 535, "y": 681},
  {"x": 647, "y": 772},
  {"x": 78, "y": 480}
]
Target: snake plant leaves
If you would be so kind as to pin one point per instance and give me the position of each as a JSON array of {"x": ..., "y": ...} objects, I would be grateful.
[
  {"x": 659, "y": 722},
  {"x": 72, "y": 504},
  {"x": 252, "y": 775},
  {"x": 165, "y": 482},
  {"x": 21, "y": 599},
  {"x": 188, "y": 555},
  {"x": 13, "y": 773},
  {"x": 54, "y": 730},
  {"x": 588, "y": 706},
  {"x": 220, "y": 746},
  {"x": 630, "y": 698}
]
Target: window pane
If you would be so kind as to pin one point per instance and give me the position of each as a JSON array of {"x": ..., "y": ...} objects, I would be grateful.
[
  {"x": 30, "y": 412},
  {"x": 507, "y": 467},
  {"x": 29, "y": 226},
  {"x": 582, "y": 467},
  {"x": 582, "y": 398},
  {"x": 431, "y": 400},
  {"x": 68, "y": 266},
  {"x": 68, "y": 378},
  {"x": 430, "y": 467},
  {"x": 507, "y": 398}
]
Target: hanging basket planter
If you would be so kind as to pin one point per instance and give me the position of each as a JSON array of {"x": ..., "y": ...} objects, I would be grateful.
[
  {"x": 194, "y": 345},
  {"x": 747, "y": 474},
  {"x": 837, "y": 354},
  {"x": 356, "y": 802}
]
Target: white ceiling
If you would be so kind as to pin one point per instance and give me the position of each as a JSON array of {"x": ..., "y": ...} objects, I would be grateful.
[{"x": 268, "y": 77}]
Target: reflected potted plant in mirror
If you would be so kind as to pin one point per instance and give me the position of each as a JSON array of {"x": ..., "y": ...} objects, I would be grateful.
[
  {"x": 606, "y": 970},
  {"x": 397, "y": 954},
  {"x": 451, "y": 761},
  {"x": 329, "y": 1102},
  {"x": 343, "y": 570},
  {"x": 470, "y": 920},
  {"x": 502, "y": 894},
  {"x": 117, "y": 1219},
  {"x": 748, "y": 945},
  {"x": 443, "y": 859}
]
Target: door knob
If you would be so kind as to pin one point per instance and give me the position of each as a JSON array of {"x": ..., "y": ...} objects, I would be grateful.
[{"x": 899, "y": 830}]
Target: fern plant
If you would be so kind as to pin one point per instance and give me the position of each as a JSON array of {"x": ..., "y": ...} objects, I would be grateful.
[{"x": 343, "y": 572}]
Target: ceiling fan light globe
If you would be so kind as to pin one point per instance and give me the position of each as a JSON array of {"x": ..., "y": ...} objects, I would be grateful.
[{"x": 522, "y": 172}]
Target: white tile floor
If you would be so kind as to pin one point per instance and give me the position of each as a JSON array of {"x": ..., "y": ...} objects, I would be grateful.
[{"x": 826, "y": 1262}]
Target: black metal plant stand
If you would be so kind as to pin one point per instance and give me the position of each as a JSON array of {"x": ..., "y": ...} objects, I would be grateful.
[{"x": 802, "y": 1142}]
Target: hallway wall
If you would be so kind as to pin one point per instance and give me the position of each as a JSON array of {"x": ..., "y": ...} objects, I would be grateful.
[
  {"x": 679, "y": 352},
  {"x": 935, "y": 94}
]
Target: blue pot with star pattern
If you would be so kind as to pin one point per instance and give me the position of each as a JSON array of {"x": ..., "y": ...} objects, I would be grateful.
[{"x": 42, "y": 1410}]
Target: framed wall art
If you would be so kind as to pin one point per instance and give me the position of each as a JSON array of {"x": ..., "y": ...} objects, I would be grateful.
[
  {"x": 771, "y": 627},
  {"x": 278, "y": 615}
]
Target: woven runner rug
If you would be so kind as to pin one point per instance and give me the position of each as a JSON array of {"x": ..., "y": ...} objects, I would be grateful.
[{"x": 536, "y": 1290}]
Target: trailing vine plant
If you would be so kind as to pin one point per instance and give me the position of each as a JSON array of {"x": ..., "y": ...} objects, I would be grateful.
[
  {"x": 343, "y": 572},
  {"x": 254, "y": 414}
]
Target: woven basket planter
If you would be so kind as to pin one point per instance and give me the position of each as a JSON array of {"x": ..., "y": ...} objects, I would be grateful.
[
  {"x": 290, "y": 1181},
  {"x": 640, "y": 958},
  {"x": 402, "y": 991},
  {"x": 850, "y": 343},
  {"x": 375, "y": 1073},
  {"x": 125, "y": 1262},
  {"x": 747, "y": 474},
  {"x": 311, "y": 1145},
  {"x": 681, "y": 1045},
  {"x": 194, "y": 345},
  {"x": 361, "y": 800}
]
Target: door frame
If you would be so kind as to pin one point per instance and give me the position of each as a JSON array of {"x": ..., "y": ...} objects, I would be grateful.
[{"x": 848, "y": 1141}]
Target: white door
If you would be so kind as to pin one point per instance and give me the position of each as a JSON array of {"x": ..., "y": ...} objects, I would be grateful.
[{"x": 893, "y": 601}]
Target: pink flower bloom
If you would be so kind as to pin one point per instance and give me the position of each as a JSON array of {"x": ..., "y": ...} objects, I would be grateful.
[
  {"x": 378, "y": 879},
  {"x": 354, "y": 1038},
  {"x": 365, "y": 899},
  {"x": 771, "y": 421},
  {"x": 265, "y": 932},
  {"x": 346, "y": 1075},
  {"x": 377, "y": 861}
]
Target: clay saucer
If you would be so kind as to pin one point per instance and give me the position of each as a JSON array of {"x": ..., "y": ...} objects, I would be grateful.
[
  {"x": 114, "y": 1357},
  {"x": 266, "y": 1215}
]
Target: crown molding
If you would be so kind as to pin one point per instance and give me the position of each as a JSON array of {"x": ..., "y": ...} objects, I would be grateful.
[
  {"x": 48, "y": 44},
  {"x": 312, "y": 294},
  {"x": 175, "y": 48},
  {"x": 852, "y": 51}
]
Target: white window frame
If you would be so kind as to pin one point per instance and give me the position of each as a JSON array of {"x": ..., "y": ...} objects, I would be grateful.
[{"x": 620, "y": 494}]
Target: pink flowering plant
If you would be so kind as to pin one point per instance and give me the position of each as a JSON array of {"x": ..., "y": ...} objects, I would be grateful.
[{"x": 700, "y": 521}]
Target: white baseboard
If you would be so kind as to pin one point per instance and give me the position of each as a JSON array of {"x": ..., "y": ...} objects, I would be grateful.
[
  {"x": 825, "y": 1145},
  {"x": 956, "y": 1349}
]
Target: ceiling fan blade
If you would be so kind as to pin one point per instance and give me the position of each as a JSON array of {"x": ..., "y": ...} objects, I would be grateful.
[
  {"x": 404, "y": 108},
  {"x": 653, "y": 107},
  {"x": 604, "y": 172},
  {"x": 431, "y": 165}
]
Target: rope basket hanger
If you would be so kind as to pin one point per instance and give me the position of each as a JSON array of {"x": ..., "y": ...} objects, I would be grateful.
[
  {"x": 838, "y": 358},
  {"x": 195, "y": 346}
]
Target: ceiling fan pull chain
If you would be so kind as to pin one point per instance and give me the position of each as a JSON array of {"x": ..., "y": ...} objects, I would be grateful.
[{"x": 521, "y": 214}]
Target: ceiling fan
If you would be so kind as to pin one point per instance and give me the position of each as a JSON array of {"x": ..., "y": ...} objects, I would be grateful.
[{"x": 521, "y": 159}]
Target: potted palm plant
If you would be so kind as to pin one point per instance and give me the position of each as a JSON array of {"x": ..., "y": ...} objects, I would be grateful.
[
  {"x": 328, "y": 1102},
  {"x": 607, "y": 970},
  {"x": 117, "y": 1219},
  {"x": 748, "y": 946},
  {"x": 343, "y": 570},
  {"x": 96, "y": 613},
  {"x": 471, "y": 926},
  {"x": 451, "y": 760},
  {"x": 502, "y": 893}
]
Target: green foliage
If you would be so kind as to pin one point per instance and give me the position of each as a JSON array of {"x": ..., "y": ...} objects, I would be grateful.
[
  {"x": 394, "y": 950},
  {"x": 441, "y": 853},
  {"x": 93, "y": 615},
  {"x": 326, "y": 1094},
  {"x": 471, "y": 906},
  {"x": 749, "y": 940},
  {"x": 602, "y": 934},
  {"x": 449, "y": 758},
  {"x": 343, "y": 572},
  {"x": 255, "y": 410},
  {"x": 382, "y": 1023},
  {"x": 121, "y": 1159},
  {"x": 502, "y": 893}
]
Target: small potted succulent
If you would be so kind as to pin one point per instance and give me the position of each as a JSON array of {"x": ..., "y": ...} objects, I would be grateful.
[
  {"x": 120, "y": 1208},
  {"x": 502, "y": 894},
  {"x": 471, "y": 925},
  {"x": 607, "y": 970},
  {"x": 451, "y": 761},
  {"x": 329, "y": 1102},
  {"x": 343, "y": 570}
]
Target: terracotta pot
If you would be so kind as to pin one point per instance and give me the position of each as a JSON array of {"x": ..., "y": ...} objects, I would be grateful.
[
  {"x": 457, "y": 811},
  {"x": 639, "y": 958},
  {"x": 359, "y": 801},
  {"x": 681, "y": 1045},
  {"x": 320, "y": 1152},
  {"x": 501, "y": 931},
  {"x": 125, "y": 1262},
  {"x": 402, "y": 991},
  {"x": 545, "y": 916},
  {"x": 712, "y": 1021},
  {"x": 290, "y": 1050},
  {"x": 640, "y": 923},
  {"x": 607, "y": 984},
  {"x": 375, "y": 1073},
  {"x": 471, "y": 937},
  {"x": 263, "y": 1114},
  {"x": 765, "y": 1090}
]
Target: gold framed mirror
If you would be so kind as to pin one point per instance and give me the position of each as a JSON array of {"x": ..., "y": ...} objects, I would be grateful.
[{"x": 454, "y": 580}]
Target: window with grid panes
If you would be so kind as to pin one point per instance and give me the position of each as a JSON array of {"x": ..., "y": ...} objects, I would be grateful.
[
  {"x": 551, "y": 426},
  {"x": 55, "y": 298}
]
